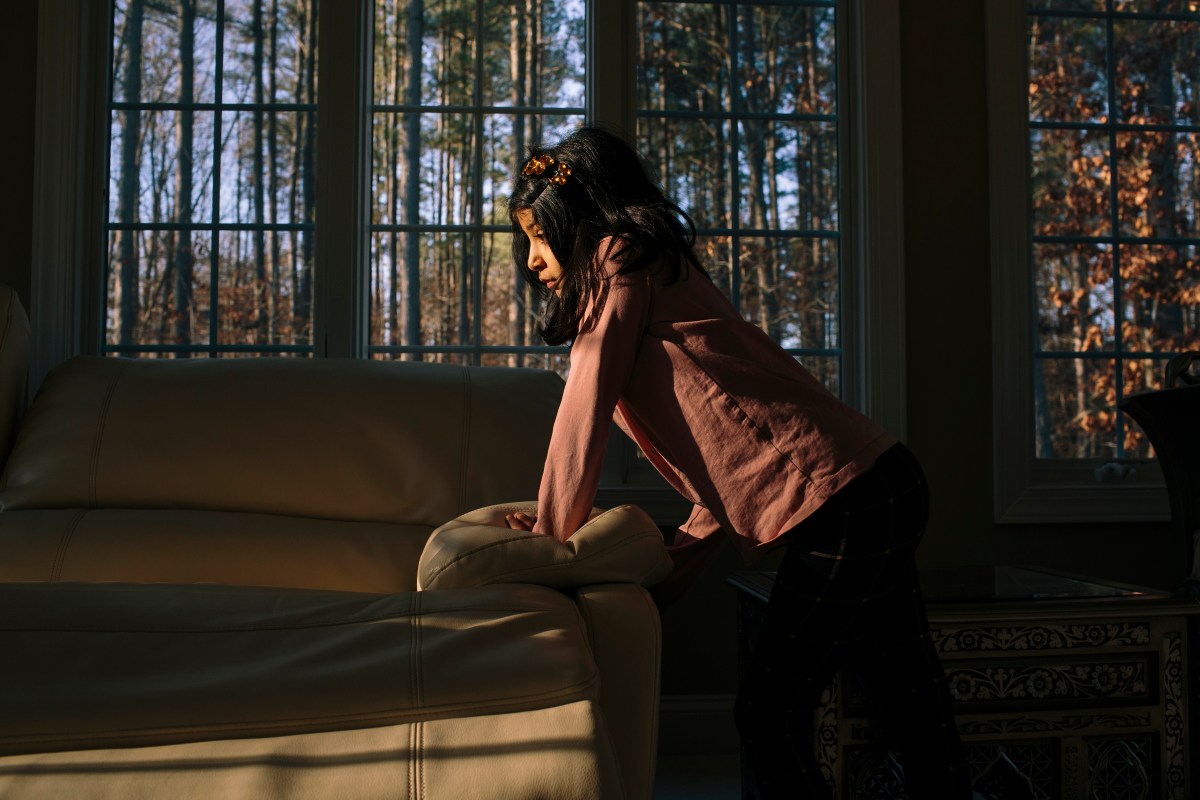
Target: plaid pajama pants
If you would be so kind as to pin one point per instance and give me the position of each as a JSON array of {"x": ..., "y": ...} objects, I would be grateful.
[{"x": 846, "y": 595}]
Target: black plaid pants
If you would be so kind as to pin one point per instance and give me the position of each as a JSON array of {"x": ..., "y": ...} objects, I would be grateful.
[{"x": 846, "y": 595}]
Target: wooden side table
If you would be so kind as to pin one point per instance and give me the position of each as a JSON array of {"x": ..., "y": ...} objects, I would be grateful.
[{"x": 1074, "y": 688}]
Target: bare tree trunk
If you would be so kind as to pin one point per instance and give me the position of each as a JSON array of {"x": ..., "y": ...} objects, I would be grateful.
[
  {"x": 299, "y": 92},
  {"x": 260, "y": 316},
  {"x": 516, "y": 60},
  {"x": 412, "y": 182},
  {"x": 127, "y": 284},
  {"x": 184, "y": 261},
  {"x": 273, "y": 176},
  {"x": 393, "y": 142},
  {"x": 755, "y": 155},
  {"x": 533, "y": 94},
  {"x": 308, "y": 179}
]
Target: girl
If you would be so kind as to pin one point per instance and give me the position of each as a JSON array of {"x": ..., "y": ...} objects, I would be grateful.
[{"x": 766, "y": 454}]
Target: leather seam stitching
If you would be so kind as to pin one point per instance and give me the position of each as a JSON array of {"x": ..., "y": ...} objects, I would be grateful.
[
  {"x": 100, "y": 421},
  {"x": 253, "y": 628},
  {"x": 399, "y": 714},
  {"x": 64, "y": 543}
]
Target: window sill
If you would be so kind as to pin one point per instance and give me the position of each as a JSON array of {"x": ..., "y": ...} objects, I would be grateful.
[{"x": 1057, "y": 503}]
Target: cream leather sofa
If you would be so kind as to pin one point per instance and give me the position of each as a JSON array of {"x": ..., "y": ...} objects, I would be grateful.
[{"x": 221, "y": 579}]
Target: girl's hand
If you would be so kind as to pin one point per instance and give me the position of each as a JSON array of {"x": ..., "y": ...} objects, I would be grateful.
[{"x": 520, "y": 521}]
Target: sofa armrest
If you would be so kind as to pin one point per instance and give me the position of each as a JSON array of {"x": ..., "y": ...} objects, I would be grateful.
[{"x": 621, "y": 545}]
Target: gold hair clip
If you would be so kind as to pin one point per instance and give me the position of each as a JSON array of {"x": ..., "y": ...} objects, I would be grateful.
[
  {"x": 537, "y": 165},
  {"x": 561, "y": 174}
]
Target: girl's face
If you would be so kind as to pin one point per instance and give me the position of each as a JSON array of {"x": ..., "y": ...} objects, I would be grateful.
[{"x": 541, "y": 259}]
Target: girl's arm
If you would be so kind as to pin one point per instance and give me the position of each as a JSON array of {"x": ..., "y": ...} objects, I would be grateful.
[{"x": 602, "y": 358}]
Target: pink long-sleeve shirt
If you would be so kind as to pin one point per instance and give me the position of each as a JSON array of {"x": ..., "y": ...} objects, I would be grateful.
[{"x": 730, "y": 419}]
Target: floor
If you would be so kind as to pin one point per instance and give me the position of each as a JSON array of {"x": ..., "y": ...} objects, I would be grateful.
[{"x": 697, "y": 777}]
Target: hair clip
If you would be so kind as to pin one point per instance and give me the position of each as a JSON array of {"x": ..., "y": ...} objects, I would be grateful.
[
  {"x": 561, "y": 174},
  {"x": 537, "y": 165}
]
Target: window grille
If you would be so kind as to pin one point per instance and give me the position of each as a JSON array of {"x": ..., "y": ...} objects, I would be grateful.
[
  {"x": 737, "y": 106},
  {"x": 1114, "y": 137},
  {"x": 211, "y": 209}
]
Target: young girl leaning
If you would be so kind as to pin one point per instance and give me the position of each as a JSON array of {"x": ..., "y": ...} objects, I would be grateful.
[{"x": 767, "y": 455}]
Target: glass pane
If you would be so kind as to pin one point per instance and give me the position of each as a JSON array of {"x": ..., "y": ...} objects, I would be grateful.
[
  {"x": 150, "y": 53},
  {"x": 267, "y": 54},
  {"x": 147, "y": 170},
  {"x": 787, "y": 59},
  {"x": 789, "y": 175},
  {"x": 826, "y": 369},
  {"x": 1159, "y": 6},
  {"x": 1160, "y": 298},
  {"x": 263, "y": 298},
  {"x": 158, "y": 287},
  {"x": 260, "y": 299},
  {"x": 506, "y": 142},
  {"x": 534, "y": 56},
  {"x": 264, "y": 179},
  {"x": 688, "y": 158},
  {"x": 444, "y": 153},
  {"x": 790, "y": 289},
  {"x": 395, "y": 291},
  {"x": 510, "y": 308},
  {"x": 1070, "y": 182},
  {"x": 1140, "y": 375},
  {"x": 1075, "y": 408},
  {"x": 684, "y": 57},
  {"x": 1074, "y": 296},
  {"x": 1157, "y": 63},
  {"x": 1067, "y": 80},
  {"x": 447, "y": 63},
  {"x": 423, "y": 297},
  {"x": 1159, "y": 182},
  {"x": 426, "y": 60},
  {"x": 715, "y": 254}
]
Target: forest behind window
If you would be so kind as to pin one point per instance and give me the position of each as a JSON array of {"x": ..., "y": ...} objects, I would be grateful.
[
  {"x": 212, "y": 162},
  {"x": 1114, "y": 119}
]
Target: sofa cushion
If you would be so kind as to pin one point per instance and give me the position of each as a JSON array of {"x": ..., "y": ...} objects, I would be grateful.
[
  {"x": 230, "y": 547},
  {"x": 106, "y": 665},
  {"x": 556, "y": 752},
  {"x": 370, "y": 441},
  {"x": 621, "y": 545}
]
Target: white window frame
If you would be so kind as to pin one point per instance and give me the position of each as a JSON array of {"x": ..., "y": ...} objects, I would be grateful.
[
  {"x": 69, "y": 191},
  {"x": 1027, "y": 489}
]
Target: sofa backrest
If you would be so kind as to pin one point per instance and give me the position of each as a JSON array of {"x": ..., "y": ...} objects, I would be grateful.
[
  {"x": 368, "y": 441},
  {"x": 14, "y": 365}
]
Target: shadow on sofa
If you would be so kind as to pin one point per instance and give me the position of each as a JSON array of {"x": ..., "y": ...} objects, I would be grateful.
[{"x": 286, "y": 577}]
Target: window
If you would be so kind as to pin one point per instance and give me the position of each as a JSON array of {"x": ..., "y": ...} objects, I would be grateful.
[
  {"x": 1107, "y": 131},
  {"x": 348, "y": 162},
  {"x": 211, "y": 180},
  {"x": 460, "y": 91},
  {"x": 737, "y": 108}
]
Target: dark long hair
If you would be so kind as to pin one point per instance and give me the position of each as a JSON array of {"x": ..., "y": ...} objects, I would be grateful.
[{"x": 608, "y": 193}]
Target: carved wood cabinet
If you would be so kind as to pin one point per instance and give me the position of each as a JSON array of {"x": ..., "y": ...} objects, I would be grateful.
[{"x": 1063, "y": 687}]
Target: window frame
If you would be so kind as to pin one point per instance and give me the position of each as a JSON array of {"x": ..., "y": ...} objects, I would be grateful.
[
  {"x": 1027, "y": 489},
  {"x": 68, "y": 266}
]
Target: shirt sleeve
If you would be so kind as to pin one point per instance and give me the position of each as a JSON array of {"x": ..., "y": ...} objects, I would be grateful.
[{"x": 602, "y": 358}]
